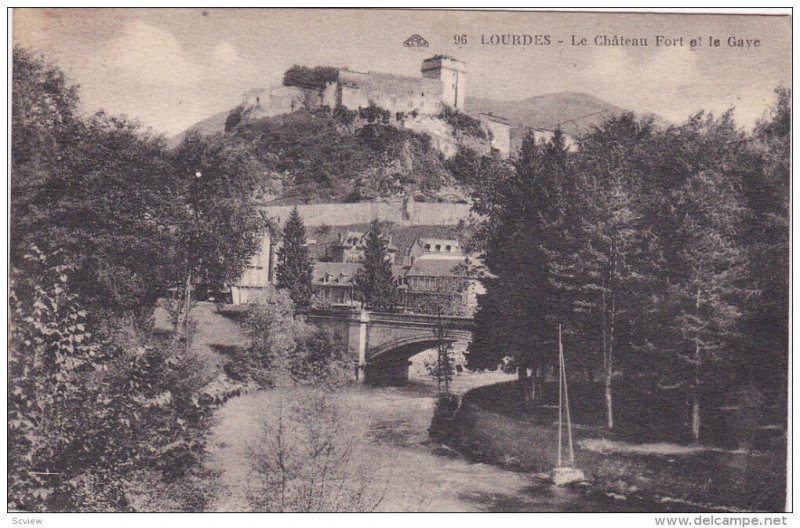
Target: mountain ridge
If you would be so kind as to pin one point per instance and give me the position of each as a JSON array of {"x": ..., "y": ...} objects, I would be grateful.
[{"x": 573, "y": 112}]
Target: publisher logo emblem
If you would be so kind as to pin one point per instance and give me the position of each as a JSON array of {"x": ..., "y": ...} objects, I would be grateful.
[{"x": 416, "y": 41}]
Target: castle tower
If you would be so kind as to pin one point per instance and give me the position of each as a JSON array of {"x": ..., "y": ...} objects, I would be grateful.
[{"x": 453, "y": 74}]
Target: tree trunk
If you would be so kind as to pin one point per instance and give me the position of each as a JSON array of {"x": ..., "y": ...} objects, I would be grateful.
[
  {"x": 610, "y": 363},
  {"x": 696, "y": 387},
  {"x": 176, "y": 329},
  {"x": 183, "y": 309},
  {"x": 187, "y": 306},
  {"x": 696, "y": 395},
  {"x": 696, "y": 415},
  {"x": 524, "y": 383}
]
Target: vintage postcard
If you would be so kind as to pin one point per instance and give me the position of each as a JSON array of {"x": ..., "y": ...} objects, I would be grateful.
[{"x": 399, "y": 260}]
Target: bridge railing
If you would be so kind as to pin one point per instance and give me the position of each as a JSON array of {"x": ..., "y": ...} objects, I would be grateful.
[{"x": 448, "y": 321}]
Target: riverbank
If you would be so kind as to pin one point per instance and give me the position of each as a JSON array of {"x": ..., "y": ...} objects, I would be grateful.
[{"x": 702, "y": 478}]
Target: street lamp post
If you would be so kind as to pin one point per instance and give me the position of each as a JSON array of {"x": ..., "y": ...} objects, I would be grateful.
[{"x": 190, "y": 254}]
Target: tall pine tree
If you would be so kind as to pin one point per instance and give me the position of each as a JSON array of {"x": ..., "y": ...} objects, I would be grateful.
[
  {"x": 522, "y": 210},
  {"x": 705, "y": 291},
  {"x": 295, "y": 271},
  {"x": 601, "y": 268},
  {"x": 767, "y": 193},
  {"x": 375, "y": 281}
]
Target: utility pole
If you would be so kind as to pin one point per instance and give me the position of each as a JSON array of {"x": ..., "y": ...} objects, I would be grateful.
[{"x": 190, "y": 256}]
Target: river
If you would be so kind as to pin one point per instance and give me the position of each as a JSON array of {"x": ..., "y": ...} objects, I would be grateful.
[{"x": 417, "y": 474}]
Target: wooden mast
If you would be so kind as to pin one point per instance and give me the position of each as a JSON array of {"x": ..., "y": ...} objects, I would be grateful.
[
  {"x": 563, "y": 475},
  {"x": 566, "y": 398},
  {"x": 560, "y": 395}
]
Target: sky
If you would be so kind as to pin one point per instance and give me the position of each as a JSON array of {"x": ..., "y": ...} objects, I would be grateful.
[{"x": 170, "y": 68}]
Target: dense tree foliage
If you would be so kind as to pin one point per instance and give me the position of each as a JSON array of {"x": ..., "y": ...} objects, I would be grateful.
[
  {"x": 105, "y": 221},
  {"x": 664, "y": 252},
  {"x": 95, "y": 189},
  {"x": 131, "y": 217},
  {"x": 375, "y": 281},
  {"x": 463, "y": 123},
  {"x": 285, "y": 350},
  {"x": 767, "y": 199},
  {"x": 295, "y": 271},
  {"x": 523, "y": 208},
  {"x": 304, "y": 76},
  {"x": 89, "y": 417},
  {"x": 220, "y": 227}
]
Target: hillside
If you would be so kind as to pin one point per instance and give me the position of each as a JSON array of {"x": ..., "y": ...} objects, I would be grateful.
[
  {"x": 208, "y": 126},
  {"x": 314, "y": 157},
  {"x": 574, "y": 112}
]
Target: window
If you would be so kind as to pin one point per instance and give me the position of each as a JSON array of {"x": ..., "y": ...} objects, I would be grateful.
[
  {"x": 448, "y": 248},
  {"x": 428, "y": 247},
  {"x": 438, "y": 247}
]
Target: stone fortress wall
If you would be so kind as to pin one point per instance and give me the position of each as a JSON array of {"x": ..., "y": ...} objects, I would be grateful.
[
  {"x": 413, "y": 102},
  {"x": 404, "y": 213},
  {"x": 279, "y": 100},
  {"x": 393, "y": 92}
]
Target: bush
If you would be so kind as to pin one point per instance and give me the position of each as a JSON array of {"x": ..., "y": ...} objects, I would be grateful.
[
  {"x": 374, "y": 114},
  {"x": 344, "y": 116},
  {"x": 285, "y": 350},
  {"x": 463, "y": 123},
  {"x": 309, "y": 457},
  {"x": 85, "y": 415},
  {"x": 319, "y": 359},
  {"x": 234, "y": 118},
  {"x": 316, "y": 77}
]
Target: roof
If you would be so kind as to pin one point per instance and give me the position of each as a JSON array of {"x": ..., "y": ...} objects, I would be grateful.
[
  {"x": 349, "y": 236},
  {"x": 441, "y": 56},
  {"x": 338, "y": 272},
  {"x": 403, "y": 237},
  {"x": 440, "y": 241},
  {"x": 371, "y": 78},
  {"x": 496, "y": 118},
  {"x": 434, "y": 268},
  {"x": 360, "y": 237}
]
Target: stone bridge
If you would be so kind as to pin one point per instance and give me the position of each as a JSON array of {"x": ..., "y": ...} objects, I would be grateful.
[{"x": 381, "y": 344}]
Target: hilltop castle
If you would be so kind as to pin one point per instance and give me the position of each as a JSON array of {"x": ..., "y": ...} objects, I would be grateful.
[{"x": 414, "y": 103}]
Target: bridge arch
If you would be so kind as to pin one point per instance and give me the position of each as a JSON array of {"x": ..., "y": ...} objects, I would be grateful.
[
  {"x": 381, "y": 344},
  {"x": 411, "y": 345},
  {"x": 389, "y": 361}
]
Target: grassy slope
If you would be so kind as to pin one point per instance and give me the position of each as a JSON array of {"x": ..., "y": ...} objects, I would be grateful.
[{"x": 494, "y": 429}]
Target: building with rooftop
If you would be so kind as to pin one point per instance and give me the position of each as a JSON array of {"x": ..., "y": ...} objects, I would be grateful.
[
  {"x": 351, "y": 246},
  {"x": 435, "y": 248}
]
